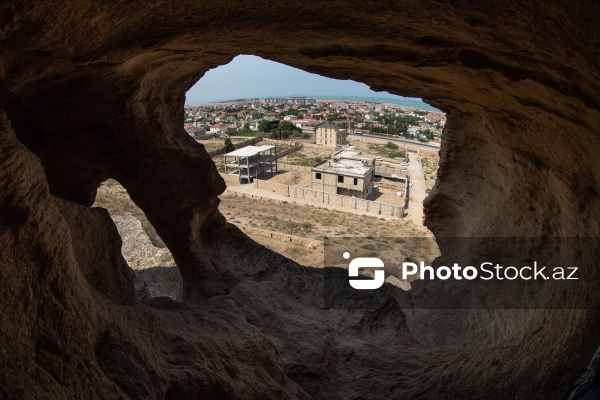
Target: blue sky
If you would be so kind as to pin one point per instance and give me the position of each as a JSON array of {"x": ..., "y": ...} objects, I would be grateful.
[{"x": 251, "y": 76}]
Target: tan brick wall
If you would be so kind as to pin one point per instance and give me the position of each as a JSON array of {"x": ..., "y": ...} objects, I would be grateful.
[
  {"x": 366, "y": 206},
  {"x": 272, "y": 187}
]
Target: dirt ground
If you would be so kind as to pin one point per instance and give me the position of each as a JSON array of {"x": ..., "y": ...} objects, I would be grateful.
[
  {"x": 388, "y": 195},
  {"x": 292, "y": 178},
  {"x": 377, "y": 150},
  {"x": 307, "y": 156},
  {"x": 317, "y": 223},
  {"x": 431, "y": 162},
  {"x": 217, "y": 143}
]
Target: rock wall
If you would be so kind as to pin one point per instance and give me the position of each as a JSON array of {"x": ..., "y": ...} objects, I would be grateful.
[{"x": 92, "y": 90}]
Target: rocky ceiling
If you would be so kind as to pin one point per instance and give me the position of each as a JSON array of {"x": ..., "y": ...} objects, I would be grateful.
[{"x": 93, "y": 90}]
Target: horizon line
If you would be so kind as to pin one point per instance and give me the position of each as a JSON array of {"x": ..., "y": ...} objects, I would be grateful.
[{"x": 397, "y": 97}]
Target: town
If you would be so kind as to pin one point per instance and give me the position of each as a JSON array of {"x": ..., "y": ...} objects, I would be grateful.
[
  {"x": 254, "y": 116},
  {"x": 347, "y": 160}
]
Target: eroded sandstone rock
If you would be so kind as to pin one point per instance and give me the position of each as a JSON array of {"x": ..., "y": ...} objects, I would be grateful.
[{"x": 92, "y": 91}]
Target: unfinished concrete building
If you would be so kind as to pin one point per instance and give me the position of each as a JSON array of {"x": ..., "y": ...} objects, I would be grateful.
[
  {"x": 346, "y": 176},
  {"x": 250, "y": 162},
  {"x": 331, "y": 136}
]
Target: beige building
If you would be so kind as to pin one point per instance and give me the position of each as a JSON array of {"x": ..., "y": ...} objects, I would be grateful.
[
  {"x": 331, "y": 135},
  {"x": 345, "y": 176}
]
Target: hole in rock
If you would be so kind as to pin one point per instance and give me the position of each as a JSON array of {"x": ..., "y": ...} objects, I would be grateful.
[
  {"x": 156, "y": 273},
  {"x": 337, "y": 160}
]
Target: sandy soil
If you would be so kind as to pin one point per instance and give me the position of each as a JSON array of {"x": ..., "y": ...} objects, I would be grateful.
[
  {"x": 217, "y": 143},
  {"x": 431, "y": 163},
  {"x": 292, "y": 178},
  {"x": 307, "y": 156},
  {"x": 316, "y": 223}
]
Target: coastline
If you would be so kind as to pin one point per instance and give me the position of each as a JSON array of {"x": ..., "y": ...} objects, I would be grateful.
[{"x": 401, "y": 101}]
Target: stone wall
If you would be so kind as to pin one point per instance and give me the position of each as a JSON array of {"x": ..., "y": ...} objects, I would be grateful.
[
  {"x": 288, "y": 151},
  {"x": 386, "y": 169},
  {"x": 272, "y": 187},
  {"x": 372, "y": 207}
]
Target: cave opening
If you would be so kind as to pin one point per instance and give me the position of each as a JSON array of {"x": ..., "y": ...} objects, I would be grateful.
[
  {"x": 104, "y": 95},
  {"x": 252, "y": 101},
  {"x": 155, "y": 271}
]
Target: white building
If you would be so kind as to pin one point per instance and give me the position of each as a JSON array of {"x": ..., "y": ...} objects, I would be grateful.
[{"x": 218, "y": 129}]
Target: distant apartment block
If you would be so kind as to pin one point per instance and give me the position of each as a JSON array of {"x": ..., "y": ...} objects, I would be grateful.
[
  {"x": 347, "y": 176},
  {"x": 291, "y": 100},
  {"x": 331, "y": 136}
]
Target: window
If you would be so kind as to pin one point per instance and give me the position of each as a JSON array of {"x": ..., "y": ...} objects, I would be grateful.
[
  {"x": 318, "y": 175},
  {"x": 325, "y": 141},
  {"x": 340, "y": 179},
  {"x": 355, "y": 181}
]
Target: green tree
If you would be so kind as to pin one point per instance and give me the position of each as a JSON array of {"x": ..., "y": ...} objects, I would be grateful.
[
  {"x": 288, "y": 126},
  {"x": 267, "y": 126},
  {"x": 333, "y": 117},
  {"x": 228, "y": 145}
]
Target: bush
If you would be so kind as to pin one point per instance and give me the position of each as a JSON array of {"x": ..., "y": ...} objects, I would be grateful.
[
  {"x": 397, "y": 154},
  {"x": 228, "y": 145},
  {"x": 391, "y": 145}
]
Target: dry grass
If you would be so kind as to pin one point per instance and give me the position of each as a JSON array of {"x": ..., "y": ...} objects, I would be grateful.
[
  {"x": 431, "y": 163},
  {"x": 307, "y": 156},
  {"x": 290, "y": 218},
  {"x": 320, "y": 223}
]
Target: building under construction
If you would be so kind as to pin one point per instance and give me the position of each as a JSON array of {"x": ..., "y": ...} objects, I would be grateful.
[
  {"x": 251, "y": 162},
  {"x": 347, "y": 176}
]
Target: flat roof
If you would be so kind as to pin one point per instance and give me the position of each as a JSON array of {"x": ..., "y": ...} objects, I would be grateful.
[
  {"x": 249, "y": 151},
  {"x": 344, "y": 166},
  {"x": 329, "y": 126}
]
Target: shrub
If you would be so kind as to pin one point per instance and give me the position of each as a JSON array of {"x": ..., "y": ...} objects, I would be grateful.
[{"x": 397, "y": 154}]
